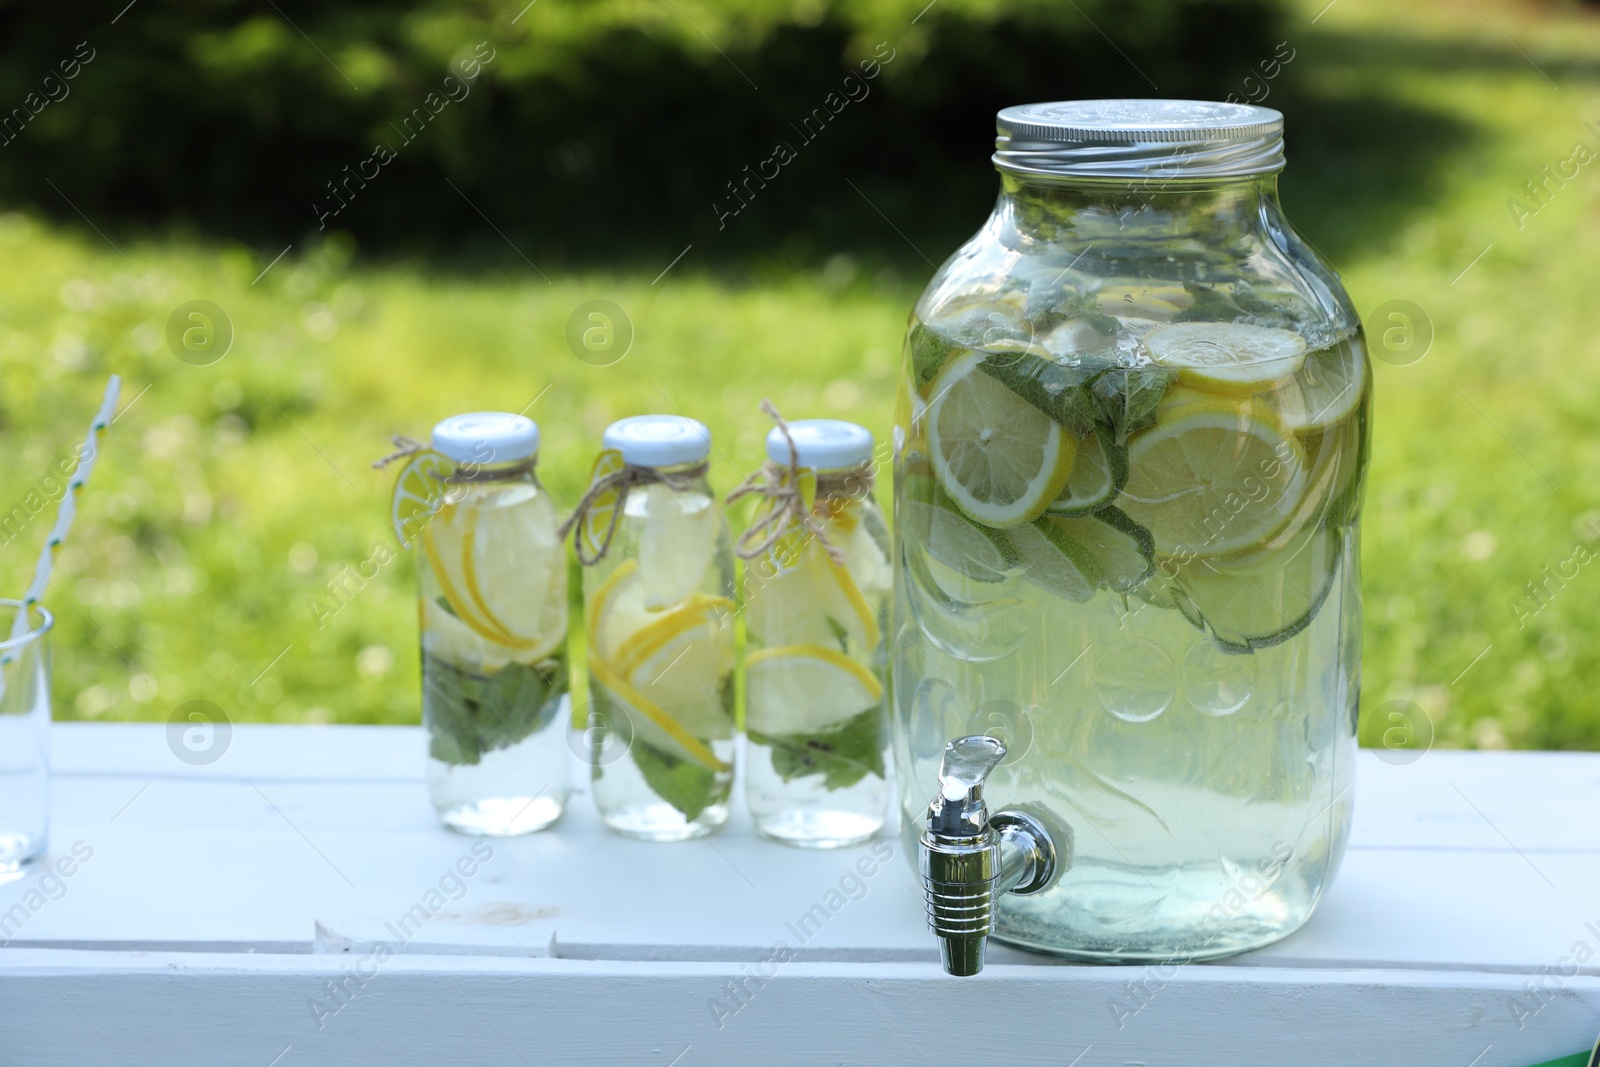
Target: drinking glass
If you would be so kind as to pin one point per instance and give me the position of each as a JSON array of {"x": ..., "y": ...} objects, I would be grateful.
[{"x": 24, "y": 741}]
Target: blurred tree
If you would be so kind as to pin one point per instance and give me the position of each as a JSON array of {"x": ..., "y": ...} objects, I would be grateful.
[{"x": 585, "y": 131}]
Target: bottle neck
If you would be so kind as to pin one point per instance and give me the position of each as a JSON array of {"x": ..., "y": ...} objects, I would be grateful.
[
  {"x": 692, "y": 477},
  {"x": 1120, "y": 212},
  {"x": 844, "y": 485},
  {"x": 478, "y": 483},
  {"x": 692, "y": 467}
]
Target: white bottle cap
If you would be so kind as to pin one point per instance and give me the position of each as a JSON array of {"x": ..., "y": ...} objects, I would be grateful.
[
  {"x": 486, "y": 437},
  {"x": 822, "y": 443},
  {"x": 659, "y": 440}
]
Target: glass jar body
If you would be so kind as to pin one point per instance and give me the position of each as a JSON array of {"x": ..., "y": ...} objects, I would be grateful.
[
  {"x": 659, "y": 625},
  {"x": 816, "y": 664},
  {"x": 1171, "y": 648},
  {"x": 493, "y": 620}
]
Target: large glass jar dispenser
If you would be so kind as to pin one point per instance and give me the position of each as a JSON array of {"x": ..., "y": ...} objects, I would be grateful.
[{"x": 1129, "y": 454}]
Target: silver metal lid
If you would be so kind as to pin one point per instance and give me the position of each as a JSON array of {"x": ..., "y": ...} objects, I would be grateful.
[{"x": 1139, "y": 139}]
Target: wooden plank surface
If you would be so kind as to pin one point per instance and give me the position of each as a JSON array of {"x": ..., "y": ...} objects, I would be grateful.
[
  {"x": 91, "y": 1008},
  {"x": 227, "y": 895}
]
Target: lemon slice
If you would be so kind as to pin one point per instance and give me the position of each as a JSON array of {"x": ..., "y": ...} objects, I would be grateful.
[
  {"x": 816, "y": 602},
  {"x": 1179, "y": 396},
  {"x": 790, "y": 607},
  {"x": 1226, "y": 357},
  {"x": 1001, "y": 459},
  {"x": 1054, "y": 561},
  {"x": 841, "y": 513},
  {"x": 1265, "y": 597},
  {"x": 684, "y": 675},
  {"x": 866, "y": 561},
  {"x": 1333, "y": 464},
  {"x": 675, "y": 549},
  {"x": 1213, "y": 477},
  {"x": 805, "y": 689},
  {"x": 605, "y": 624},
  {"x": 672, "y": 691},
  {"x": 418, "y": 494},
  {"x": 459, "y": 552},
  {"x": 1327, "y": 387},
  {"x": 1098, "y": 474},
  {"x": 443, "y": 543},
  {"x": 447, "y": 637},
  {"x": 1123, "y": 552},
  {"x": 514, "y": 572},
  {"x": 866, "y": 617},
  {"x": 1134, "y": 299},
  {"x": 945, "y": 535},
  {"x": 696, "y": 618},
  {"x": 651, "y": 724}
]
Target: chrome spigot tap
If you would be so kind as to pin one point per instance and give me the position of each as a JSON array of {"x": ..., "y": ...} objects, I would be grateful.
[{"x": 969, "y": 859}]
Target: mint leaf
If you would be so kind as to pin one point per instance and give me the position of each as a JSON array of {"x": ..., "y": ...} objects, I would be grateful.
[
  {"x": 468, "y": 714},
  {"x": 928, "y": 352},
  {"x": 1127, "y": 397},
  {"x": 683, "y": 783},
  {"x": 1051, "y": 302},
  {"x": 1060, "y": 390},
  {"x": 1211, "y": 304},
  {"x": 843, "y": 755},
  {"x": 1103, "y": 323},
  {"x": 687, "y": 785}
]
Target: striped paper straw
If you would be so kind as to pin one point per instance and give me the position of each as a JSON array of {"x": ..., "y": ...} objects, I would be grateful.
[{"x": 69, "y": 507}]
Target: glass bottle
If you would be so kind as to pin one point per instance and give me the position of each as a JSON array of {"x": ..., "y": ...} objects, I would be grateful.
[
  {"x": 659, "y": 625},
  {"x": 816, "y": 606},
  {"x": 493, "y": 619},
  {"x": 1129, "y": 457}
]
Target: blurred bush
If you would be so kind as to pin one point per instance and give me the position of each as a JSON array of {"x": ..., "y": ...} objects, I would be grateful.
[{"x": 592, "y": 131}]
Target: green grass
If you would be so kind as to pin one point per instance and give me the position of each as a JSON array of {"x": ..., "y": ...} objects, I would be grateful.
[
  {"x": 230, "y": 495},
  {"x": 1485, "y": 468}
]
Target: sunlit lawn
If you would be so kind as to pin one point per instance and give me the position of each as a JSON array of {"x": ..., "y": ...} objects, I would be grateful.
[{"x": 231, "y": 495}]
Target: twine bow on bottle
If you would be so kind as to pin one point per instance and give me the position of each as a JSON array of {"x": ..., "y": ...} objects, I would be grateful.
[
  {"x": 403, "y": 447},
  {"x": 789, "y": 495},
  {"x": 464, "y": 473},
  {"x": 596, "y": 517}
]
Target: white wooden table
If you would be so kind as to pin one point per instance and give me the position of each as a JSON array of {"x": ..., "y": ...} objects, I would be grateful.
[{"x": 233, "y": 914}]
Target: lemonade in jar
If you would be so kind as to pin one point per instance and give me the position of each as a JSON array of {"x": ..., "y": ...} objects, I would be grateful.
[
  {"x": 492, "y": 608},
  {"x": 816, "y": 589},
  {"x": 1130, "y": 450},
  {"x": 659, "y": 626}
]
